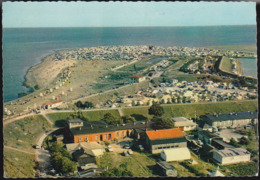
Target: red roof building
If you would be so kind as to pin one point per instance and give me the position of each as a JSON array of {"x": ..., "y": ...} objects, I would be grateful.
[
  {"x": 138, "y": 78},
  {"x": 158, "y": 140}
]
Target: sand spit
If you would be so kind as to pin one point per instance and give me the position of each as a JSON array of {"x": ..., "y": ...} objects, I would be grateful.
[{"x": 45, "y": 72}]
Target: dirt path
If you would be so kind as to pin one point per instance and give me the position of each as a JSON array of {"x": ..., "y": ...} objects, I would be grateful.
[
  {"x": 8, "y": 147},
  {"x": 43, "y": 156},
  {"x": 48, "y": 119},
  {"x": 15, "y": 119},
  {"x": 121, "y": 113}
]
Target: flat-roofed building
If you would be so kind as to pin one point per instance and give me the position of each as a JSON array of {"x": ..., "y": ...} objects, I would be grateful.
[
  {"x": 166, "y": 169},
  {"x": 231, "y": 156},
  {"x": 230, "y": 119},
  {"x": 182, "y": 122}
]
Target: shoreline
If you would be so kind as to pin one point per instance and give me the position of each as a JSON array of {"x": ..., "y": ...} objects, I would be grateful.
[{"x": 44, "y": 57}]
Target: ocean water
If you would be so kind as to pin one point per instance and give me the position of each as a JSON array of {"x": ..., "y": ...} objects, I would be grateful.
[
  {"x": 25, "y": 47},
  {"x": 249, "y": 66}
]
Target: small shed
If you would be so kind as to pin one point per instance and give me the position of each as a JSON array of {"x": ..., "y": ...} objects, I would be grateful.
[
  {"x": 167, "y": 169},
  {"x": 175, "y": 154}
]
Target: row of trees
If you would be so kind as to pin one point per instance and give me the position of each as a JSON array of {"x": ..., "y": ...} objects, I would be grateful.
[{"x": 84, "y": 105}]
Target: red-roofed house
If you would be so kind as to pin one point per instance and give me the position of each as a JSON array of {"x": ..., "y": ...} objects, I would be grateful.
[
  {"x": 158, "y": 140},
  {"x": 53, "y": 104},
  {"x": 137, "y": 78}
]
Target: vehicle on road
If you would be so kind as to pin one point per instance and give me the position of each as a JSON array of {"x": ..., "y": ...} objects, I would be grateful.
[{"x": 110, "y": 148}]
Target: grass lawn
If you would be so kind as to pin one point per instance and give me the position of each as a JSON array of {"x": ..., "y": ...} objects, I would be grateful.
[
  {"x": 139, "y": 113},
  {"x": 28, "y": 130},
  {"x": 60, "y": 118},
  {"x": 241, "y": 169},
  {"x": 18, "y": 164},
  {"x": 188, "y": 110},
  {"x": 226, "y": 65},
  {"x": 139, "y": 163}
]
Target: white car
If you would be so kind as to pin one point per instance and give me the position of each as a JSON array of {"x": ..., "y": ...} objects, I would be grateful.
[
  {"x": 141, "y": 147},
  {"x": 110, "y": 149}
]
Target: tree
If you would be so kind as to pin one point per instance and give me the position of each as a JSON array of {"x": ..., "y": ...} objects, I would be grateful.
[
  {"x": 138, "y": 103},
  {"x": 244, "y": 141},
  {"x": 116, "y": 94},
  {"x": 234, "y": 143},
  {"x": 163, "y": 123},
  {"x": 168, "y": 101},
  {"x": 67, "y": 165},
  {"x": 88, "y": 104},
  {"x": 128, "y": 119},
  {"x": 133, "y": 103},
  {"x": 156, "y": 110},
  {"x": 110, "y": 119},
  {"x": 79, "y": 104},
  {"x": 173, "y": 100}
]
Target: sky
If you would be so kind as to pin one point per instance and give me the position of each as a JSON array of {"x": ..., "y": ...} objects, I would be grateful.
[{"x": 125, "y": 14}]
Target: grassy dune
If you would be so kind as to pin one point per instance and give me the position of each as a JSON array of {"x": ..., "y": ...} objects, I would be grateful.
[
  {"x": 18, "y": 164},
  {"x": 24, "y": 134}
]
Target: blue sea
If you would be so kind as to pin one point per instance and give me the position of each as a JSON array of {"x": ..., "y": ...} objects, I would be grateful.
[{"x": 25, "y": 47}]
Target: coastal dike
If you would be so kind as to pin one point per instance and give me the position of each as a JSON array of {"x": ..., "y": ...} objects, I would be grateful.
[
  {"x": 225, "y": 67},
  {"x": 44, "y": 73}
]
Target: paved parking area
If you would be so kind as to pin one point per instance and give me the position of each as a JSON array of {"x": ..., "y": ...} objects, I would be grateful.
[{"x": 227, "y": 134}]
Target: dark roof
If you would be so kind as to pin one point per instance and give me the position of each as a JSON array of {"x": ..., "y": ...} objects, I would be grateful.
[
  {"x": 92, "y": 127},
  {"x": 74, "y": 120},
  {"x": 82, "y": 158},
  {"x": 167, "y": 141},
  {"x": 166, "y": 165},
  {"x": 222, "y": 143},
  {"x": 231, "y": 116},
  {"x": 208, "y": 134}
]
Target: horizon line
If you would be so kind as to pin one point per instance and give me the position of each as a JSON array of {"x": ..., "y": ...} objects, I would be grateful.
[{"x": 129, "y": 26}]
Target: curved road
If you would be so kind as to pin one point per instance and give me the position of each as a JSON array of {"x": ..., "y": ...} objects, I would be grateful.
[{"x": 42, "y": 155}]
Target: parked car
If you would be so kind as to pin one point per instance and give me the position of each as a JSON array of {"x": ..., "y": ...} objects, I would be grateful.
[
  {"x": 125, "y": 153},
  {"x": 141, "y": 148},
  {"x": 110, "y": 148},
  {"x": 130, "y": 151}
]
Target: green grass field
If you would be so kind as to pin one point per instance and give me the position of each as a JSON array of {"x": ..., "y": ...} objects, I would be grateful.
[
  {"x": 23, "y": 134},
  {"x": 188, "y": 110},
  {"x": 60, "y": 118},
  {"x": 139, "y": 163},
  {"x": 226, "y": 65},
  {"x": 241, "y": 169},
  {"x": 18, "y": 164}
]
